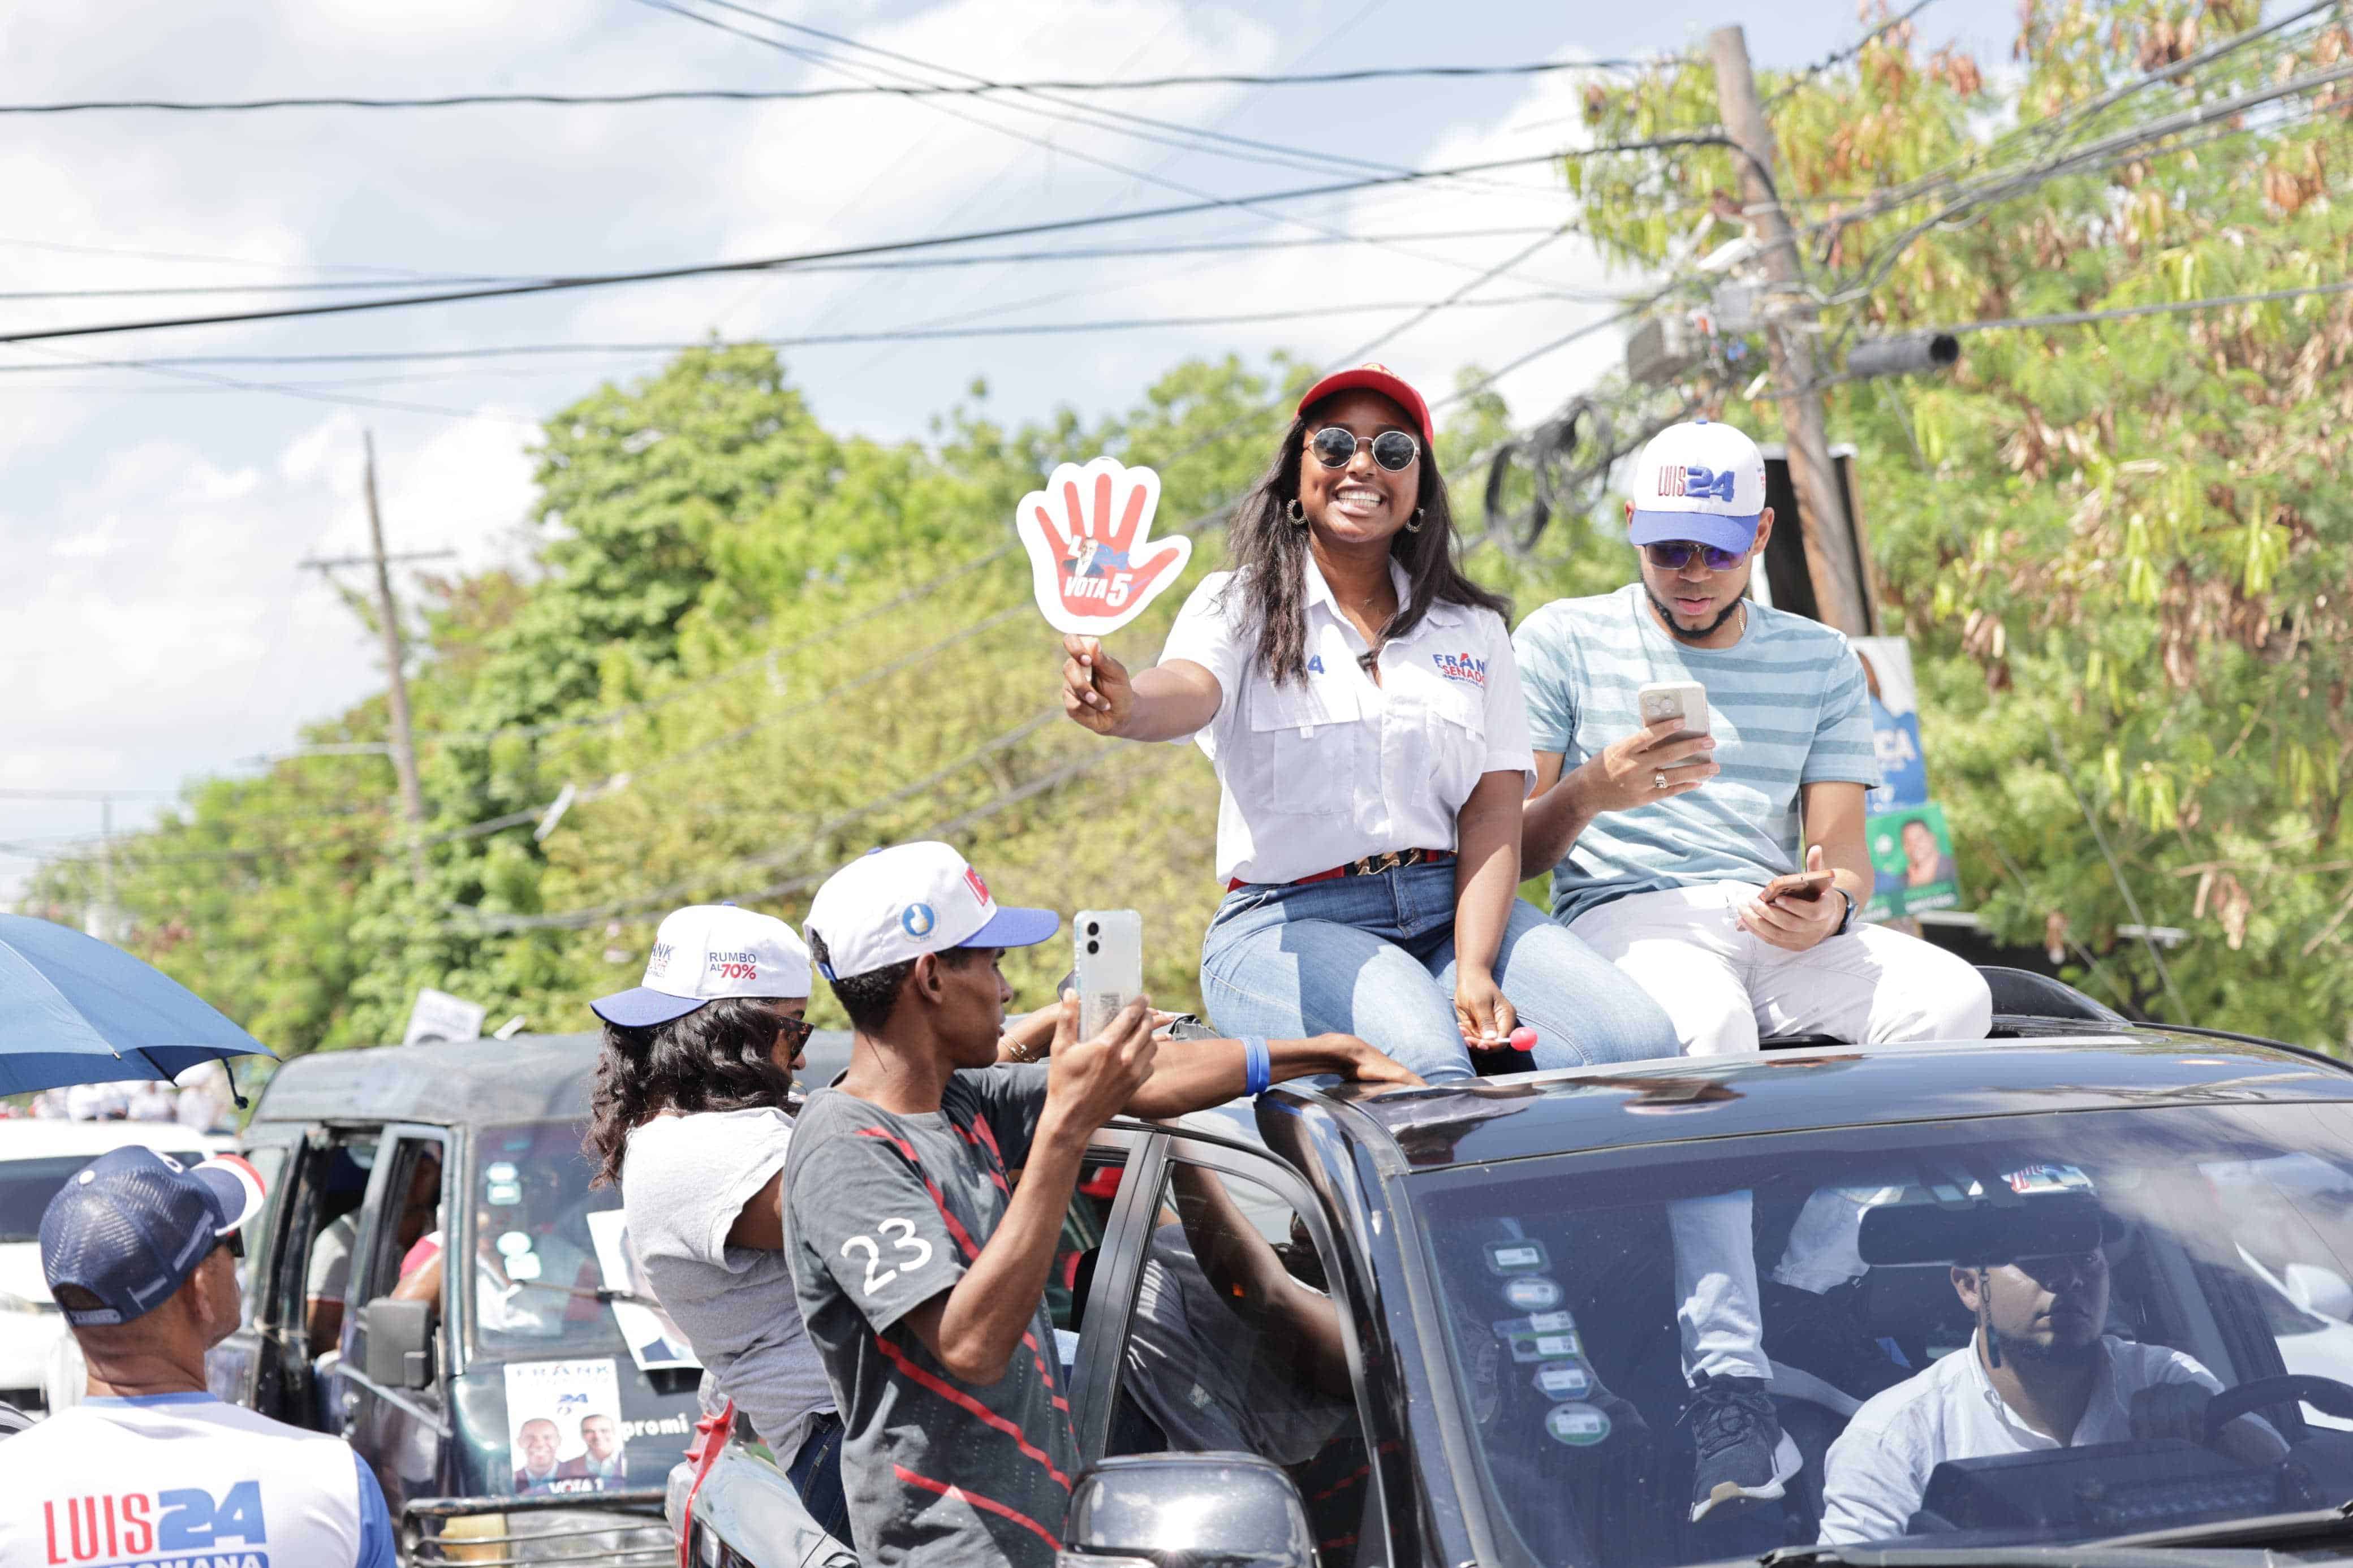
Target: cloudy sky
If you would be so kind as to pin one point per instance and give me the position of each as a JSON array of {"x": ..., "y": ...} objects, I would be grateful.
[{"x": 153, "y": 518}]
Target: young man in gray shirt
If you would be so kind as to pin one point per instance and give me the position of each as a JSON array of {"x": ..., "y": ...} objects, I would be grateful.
[{"x": 921, "y": 1266}]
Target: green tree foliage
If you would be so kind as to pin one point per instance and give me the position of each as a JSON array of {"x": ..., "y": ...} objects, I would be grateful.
[{"x": 2120, "y": 549}]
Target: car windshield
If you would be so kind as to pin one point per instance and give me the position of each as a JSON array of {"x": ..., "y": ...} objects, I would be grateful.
[
  {"x": 545, "y": 1244},
  {"x": 2117, "y": 1263},
  {"x": 28, "y": 1185}
]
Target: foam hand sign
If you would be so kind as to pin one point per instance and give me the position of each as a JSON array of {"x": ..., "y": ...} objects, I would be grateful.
[{"x": 1085, "y": 532}]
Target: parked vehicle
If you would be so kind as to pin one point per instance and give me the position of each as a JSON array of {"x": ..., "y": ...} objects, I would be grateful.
[
  {"x": 1496, "y": 1261},
  {"x": 36, "y": 1157},
  {"x": 482, "y": 1413}
]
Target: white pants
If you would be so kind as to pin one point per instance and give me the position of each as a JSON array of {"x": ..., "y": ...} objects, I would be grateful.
[{"x": 1724, "y": 987}]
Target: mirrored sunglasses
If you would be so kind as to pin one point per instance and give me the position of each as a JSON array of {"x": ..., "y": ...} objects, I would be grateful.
[
  {"x": 1673, "y": 554},
  {"x": 1392, "y": 449}
]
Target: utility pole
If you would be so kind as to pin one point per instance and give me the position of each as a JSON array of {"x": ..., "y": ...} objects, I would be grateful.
[
  {"x": 1831, "y": 552},
  {"x": 387, "y": 614},
  {"x": 100, "y": 922}
]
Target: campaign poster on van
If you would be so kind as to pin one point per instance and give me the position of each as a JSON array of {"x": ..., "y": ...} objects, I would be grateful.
[
  {"x": 1894, "y": 723},
  {"x": 564, "y": 1426},
  {"x": 1911, "y": 863}
]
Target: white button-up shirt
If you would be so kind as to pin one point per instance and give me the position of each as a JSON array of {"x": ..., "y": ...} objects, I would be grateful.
[
  {"x": 1334, "y": 767},
  {"x": 1878, "y": 1469}
]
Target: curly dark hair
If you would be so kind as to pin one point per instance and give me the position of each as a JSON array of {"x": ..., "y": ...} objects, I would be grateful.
[
  {"x": 713, "y": 1058},
  {"x": 1269, "y": 554}
]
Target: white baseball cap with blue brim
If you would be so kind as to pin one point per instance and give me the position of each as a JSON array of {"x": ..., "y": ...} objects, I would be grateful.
[
  {"x": 703, "y": 953},
  {"x": 1701, "y": 481},
  {"x": 890, "y": 905}
]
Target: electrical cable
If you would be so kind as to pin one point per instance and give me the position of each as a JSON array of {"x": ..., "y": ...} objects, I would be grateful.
[
  {"x": 1807, "y": 73},
  {"x": 772, "y": 95},
  {"x": 1999, "y": 188},
  {"x": 880, "y": 335},
  {"x": 881, "y": 247},
  {"x": 986, "y": 558},
  {"x": 1921, "y": 188},
  {"x": 1093, "y": 119},
  {"x": 926, "y": 263}
]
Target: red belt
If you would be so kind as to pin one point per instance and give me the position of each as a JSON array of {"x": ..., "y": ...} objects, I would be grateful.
[{"x": 1370, "y": 865}]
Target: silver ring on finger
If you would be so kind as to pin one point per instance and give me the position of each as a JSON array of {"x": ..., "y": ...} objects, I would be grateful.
[{"x": 1659, "y": 780}]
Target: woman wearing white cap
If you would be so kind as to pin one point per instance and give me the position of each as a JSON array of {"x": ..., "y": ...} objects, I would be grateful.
[
  {"x": 1358, "y": 698},
  {"x": 690, "y": 1117}
]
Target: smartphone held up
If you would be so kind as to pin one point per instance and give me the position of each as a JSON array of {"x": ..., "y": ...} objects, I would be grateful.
[
  {"x": 1683, "y": 700},
  {"x": 1109, "y": 968}
]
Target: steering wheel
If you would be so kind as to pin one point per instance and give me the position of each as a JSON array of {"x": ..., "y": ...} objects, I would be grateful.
[{"x": 2330, "y": 1395}]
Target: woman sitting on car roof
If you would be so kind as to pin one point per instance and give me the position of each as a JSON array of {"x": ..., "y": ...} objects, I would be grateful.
[
  {"x": 1358, "y": 697},
  {"x": 690, "y": 1118}
]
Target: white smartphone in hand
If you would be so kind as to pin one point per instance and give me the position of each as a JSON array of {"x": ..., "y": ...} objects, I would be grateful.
[
  {"x": 1108, "y": 946},
  {"x": 1682, "y": 700}
]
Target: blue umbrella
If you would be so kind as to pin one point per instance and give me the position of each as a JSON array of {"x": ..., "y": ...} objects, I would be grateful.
[{"x": 74, "y": 1009}]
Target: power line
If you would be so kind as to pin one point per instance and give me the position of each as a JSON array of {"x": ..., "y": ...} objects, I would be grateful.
[
  {"x": 911, "y": 264},
  {"x": 882, "y": 335},
  {"x": 881, "y": 247},
  {"x": 774, "y": 95},
  {"x": 2165, "y": 308},
  {"x": 1926, "y": 185},
  {"x": 1999, "y": 187},
  {"x": 1836, "y": 57},
  {"x": 1086, "y": 115}
]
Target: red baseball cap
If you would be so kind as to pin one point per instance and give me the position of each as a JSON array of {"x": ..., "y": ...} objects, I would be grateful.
[{"x": 1377, "y": 378}]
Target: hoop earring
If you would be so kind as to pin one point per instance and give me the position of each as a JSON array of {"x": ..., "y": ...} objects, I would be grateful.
[
  {"x": 1295, "y": 513},
  {"x": 1415, "y": 526}
]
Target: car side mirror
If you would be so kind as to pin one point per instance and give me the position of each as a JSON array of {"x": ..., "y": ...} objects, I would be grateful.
[
  {"x": 399, "y": 1339},
  {"x": 1147, "y": 1509},
  {"x": 2318, "y": 1289}
]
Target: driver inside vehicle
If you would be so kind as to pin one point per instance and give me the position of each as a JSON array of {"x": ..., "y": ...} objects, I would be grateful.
[{"x": 2040, "y": 1372}]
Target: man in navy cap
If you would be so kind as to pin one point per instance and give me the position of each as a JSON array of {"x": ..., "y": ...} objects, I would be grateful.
[{"x": 140, "y": 1252}]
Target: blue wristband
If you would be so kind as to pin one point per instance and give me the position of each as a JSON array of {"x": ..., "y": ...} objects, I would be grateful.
[{"x": 1258, "y": 1065}]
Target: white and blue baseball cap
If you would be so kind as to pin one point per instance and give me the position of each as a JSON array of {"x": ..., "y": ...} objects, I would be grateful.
[
  {"x": 892, "y": 905},
  {"x": 1701, "y": 481},
  {"x": 704, "y": 952},
  {"x": 133, "y": 1224}
]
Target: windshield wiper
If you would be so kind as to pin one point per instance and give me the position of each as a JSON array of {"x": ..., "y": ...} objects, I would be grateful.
[
  {"x": 2088, "y": 1555},
  {"x": 2312, "y": 1521}
]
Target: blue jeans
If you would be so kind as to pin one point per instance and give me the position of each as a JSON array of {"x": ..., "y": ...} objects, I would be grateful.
[
  {"x": 1374, "y": 957},
  {"x": 816, "y": 1474}
]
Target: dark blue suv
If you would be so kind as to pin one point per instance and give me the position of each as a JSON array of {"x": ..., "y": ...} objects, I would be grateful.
[{"x": 1439, "y": 1326}]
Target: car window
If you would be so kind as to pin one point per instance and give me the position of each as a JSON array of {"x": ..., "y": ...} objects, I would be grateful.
[
  {"x": 28, "y": 1185},
  {"x": 1073, "y": 1274},
  {"x": 2295, "y": 1209},
  {"x": 1234, "y": 1344},
  {"x": 268, "y": 1162},
  {"x": 2122, "y": 1253},
  {"x": 532, "y": 1227}
]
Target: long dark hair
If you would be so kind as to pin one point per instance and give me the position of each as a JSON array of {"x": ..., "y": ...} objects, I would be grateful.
[
  {"x": 714, "y": 1059},
  {"x": 1269, "y": 554}
]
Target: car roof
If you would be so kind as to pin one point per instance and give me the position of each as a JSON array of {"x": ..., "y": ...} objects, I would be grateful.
[
  {"x": 526, "y": 1078},
  {"x": 1634, "y": 1103},
  {"x": 40, "y": 1138}
]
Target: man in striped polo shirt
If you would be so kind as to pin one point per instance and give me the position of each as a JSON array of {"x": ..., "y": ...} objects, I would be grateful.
[{"x": 1722, "y": 873}]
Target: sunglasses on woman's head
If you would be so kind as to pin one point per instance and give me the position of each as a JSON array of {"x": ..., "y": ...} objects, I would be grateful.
[
  {"x": 1673, "y": 554},
  {"x": 1392, "y": 449}
]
